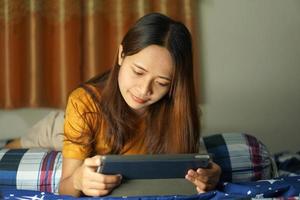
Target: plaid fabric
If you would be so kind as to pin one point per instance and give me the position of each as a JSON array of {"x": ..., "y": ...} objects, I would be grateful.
[
  {"x": 288, "y": 163},
  {"x": 242, "y": 158},
  {"x": 31, "y": 169}
]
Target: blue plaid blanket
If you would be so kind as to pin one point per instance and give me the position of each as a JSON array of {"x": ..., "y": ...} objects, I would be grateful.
[{"x": 288, "y": 163}]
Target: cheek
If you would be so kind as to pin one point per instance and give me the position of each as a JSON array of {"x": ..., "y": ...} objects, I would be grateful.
[{"x": 125, "y": 79}]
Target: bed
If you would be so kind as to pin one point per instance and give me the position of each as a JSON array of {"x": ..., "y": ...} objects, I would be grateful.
[{"x": 249, "y": 171}]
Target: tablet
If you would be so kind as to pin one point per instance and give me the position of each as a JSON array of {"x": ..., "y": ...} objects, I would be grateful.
[{"x": 154, "y": 166}]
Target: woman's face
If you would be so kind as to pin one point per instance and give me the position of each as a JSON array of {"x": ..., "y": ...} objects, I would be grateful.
[{"x": 145, "y": 77}]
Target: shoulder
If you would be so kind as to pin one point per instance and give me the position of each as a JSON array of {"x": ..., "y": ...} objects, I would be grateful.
[
  {"x": 84, "y": 96},
  {"x": 85, "y": 91}
]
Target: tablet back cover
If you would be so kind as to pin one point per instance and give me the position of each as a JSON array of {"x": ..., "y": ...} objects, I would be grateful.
[{"x": 154, "y": 166}]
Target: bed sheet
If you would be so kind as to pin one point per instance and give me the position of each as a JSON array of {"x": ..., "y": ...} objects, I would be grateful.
[{"x": 279, "y": 188}]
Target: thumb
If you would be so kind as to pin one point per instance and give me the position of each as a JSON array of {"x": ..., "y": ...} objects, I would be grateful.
[{"x": 93, "y": 161}]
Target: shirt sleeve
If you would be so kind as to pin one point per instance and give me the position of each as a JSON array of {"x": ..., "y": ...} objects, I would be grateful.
[{"x": 77, "y": 126}]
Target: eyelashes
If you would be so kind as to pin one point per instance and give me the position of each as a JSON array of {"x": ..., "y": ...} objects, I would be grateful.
[
  {"x": 164, "y": 84},
  {"x": 138, "y": 73}
]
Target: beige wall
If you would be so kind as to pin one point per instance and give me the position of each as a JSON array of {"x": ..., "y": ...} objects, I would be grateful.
[{"x": 250, "y": 51}]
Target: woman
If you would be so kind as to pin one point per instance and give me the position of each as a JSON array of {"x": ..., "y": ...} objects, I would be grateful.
[{"x": 145, "y": 105}]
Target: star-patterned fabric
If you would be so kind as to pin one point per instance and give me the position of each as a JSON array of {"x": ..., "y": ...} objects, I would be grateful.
[{"x": 280, "y": 188}]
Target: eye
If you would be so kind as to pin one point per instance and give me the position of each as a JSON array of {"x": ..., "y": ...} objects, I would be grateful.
[
  {"x": 139, "y": 73},
  {"x": 163, "y": 84}
]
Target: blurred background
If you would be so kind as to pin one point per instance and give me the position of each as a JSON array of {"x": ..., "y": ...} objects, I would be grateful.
[{"x": 246, "y": 55}]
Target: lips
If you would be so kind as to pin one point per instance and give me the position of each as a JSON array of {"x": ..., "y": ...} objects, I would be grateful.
[{"x": 138, "y": 100}]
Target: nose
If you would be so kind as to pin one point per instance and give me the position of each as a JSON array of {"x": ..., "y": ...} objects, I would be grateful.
[{"x": 146, "y": 88}]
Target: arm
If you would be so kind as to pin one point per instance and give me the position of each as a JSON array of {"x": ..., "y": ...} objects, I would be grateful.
[
  {"x": 81, "y": 177},
  {"x": 66, "y": 181},
  {"x": 79, "y": 174},
  {"x": 205, "y": 179}
]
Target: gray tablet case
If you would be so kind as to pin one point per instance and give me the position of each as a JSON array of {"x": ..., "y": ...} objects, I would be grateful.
[
  {"x": 159, "y": 166},
  {"x": 154, "y": 187}
]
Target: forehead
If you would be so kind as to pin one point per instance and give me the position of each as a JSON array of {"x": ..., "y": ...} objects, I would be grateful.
[{"x": 154, "y": 58}]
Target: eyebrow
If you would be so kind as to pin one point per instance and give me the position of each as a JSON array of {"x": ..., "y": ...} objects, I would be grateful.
[{"x": 140, "y": 67}]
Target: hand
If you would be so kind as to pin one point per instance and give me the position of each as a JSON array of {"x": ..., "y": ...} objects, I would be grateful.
[
  {"x": 92, "y": 183},
  {"x": 205, "y": 179}
]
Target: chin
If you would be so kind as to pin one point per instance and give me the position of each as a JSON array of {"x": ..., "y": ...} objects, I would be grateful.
[{"x": 137, "y": 109}]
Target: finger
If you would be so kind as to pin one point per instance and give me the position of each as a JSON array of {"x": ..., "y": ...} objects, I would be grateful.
[
  {"x": 109, "y": 186},
  {"x": 206, "y": 172},
  {"x": 208, "y": 175},
  {"x": 192, "y": 173},
  {"x": 100, "y": 186},
  {"x": 203, "y": 175},
  {"x": 102, "y": 178},
  {"x": 194, "y": 180},
  {"x": 200, "y": 185},
  {"x": 200, "y": 172},
  {"x": 203, "y": 186},
  {"x": 111, "y": 179},
  {"x": 200, "y": 176},
  {"x": 190, "y": 178}
]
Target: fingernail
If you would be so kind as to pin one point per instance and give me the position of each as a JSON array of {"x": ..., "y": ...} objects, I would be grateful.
[
  {"x": 190, "y": 172},
  {"x": 187, "y": 177}
]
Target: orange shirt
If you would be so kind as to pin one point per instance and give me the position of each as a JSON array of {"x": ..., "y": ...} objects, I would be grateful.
[{"x": 80, "y": 110}]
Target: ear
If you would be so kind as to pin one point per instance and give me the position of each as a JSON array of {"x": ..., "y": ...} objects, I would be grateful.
[{"x": 120, "y": 57}]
